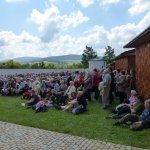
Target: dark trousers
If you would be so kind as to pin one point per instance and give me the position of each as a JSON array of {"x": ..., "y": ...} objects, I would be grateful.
[
  {"x": 87, "y": 94},
  {"x": 121, "y": 96},
  {"x": 111, "y": 97},
  {"x": 124, "y": 109},
  {"x": 129, "y": 117},
  {"x": 96, "y": 91}
]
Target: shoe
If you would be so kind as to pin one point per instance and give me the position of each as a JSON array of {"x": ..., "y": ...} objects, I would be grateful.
[
  {"x": 117, "y": 123},
  {"x": 57, "y": 107}
]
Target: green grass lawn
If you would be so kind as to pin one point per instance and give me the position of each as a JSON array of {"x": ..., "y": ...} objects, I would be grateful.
[{"x": 90, "y": 124}]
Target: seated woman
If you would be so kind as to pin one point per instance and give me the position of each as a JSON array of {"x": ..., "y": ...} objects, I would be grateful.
[
  {"x": 67, "y": 93},
  {"x": 72, "y": 103},
  {"x": 82, "y": 103}
]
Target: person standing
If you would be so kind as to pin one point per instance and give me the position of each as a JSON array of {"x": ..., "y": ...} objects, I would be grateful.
[
  {"x": 106, "y": 86},
  {"x": 96, "y": 79},
  {"x": 121, "y": 81}
]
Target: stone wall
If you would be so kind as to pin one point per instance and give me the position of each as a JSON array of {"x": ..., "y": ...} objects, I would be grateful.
[{"x": 25, "y": 71}]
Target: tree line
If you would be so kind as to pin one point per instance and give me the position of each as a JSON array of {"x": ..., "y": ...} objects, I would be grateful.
[
  {"x": 88, "y": 54},
  {"x": 11, "y": 64}
]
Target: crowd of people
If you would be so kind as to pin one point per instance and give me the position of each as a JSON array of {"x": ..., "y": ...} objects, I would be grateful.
[{"x": 71, "y": 91}]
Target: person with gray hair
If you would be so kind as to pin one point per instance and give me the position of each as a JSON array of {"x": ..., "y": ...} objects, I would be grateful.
[{"x": 138, "y": 122}]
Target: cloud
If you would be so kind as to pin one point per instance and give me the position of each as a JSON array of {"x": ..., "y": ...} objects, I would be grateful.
[
  {"x": 139, "y": 6},
  {"x": 11, "y": 1},
  {"x": 108, "y": 2},
  {"x": 85, "y": 3},
  {"x": 51, "y": 23},
  {"x": 121, "y": 35},
  {"x": 25, "y": 44},
  {"x": 12, "y": 45}
]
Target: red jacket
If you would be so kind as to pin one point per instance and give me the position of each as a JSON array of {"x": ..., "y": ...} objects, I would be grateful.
[{"x": 96, "y": 79}]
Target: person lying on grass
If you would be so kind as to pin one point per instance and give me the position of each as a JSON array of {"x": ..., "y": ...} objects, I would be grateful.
[{"x": 137, "y": 122}]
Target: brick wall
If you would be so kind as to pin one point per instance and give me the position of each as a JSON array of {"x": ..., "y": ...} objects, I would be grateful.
[
  {"x": 143, "y": 70},
  {"x": 121, "y": 63}
]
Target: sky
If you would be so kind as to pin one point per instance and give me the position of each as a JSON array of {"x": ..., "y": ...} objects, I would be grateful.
[{"x": 43, "y": 28}]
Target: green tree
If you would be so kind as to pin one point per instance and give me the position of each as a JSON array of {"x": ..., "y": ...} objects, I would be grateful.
[
  {"x": 109, "y": 54},
  {"x": 42, "y": 65},
  {"x": 87, "y": 55}
]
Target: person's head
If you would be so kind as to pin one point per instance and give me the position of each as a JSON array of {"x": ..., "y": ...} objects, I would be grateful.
[
  {"x": 133, "y": 93},
  {"x": 105, "y": 71},
  {"x": 33, "y": 92},
  {"x": 147, "y": 104},
  {"x": 128, "y": 71},
  {"x": 123, "y": 72},
  {"x": 77, "y": 72},
  {"x": 80, "y": 93},
  {"x": 95, "y": 70},
  {"x": 62, "y": 82},
  {"x": 52, "y": 91},
  {"x": 71, "y": 83},
  {"x": 140, "y": 98},
  {"x": 73, "y": 94},
  {"x": 118, "y": 70}
]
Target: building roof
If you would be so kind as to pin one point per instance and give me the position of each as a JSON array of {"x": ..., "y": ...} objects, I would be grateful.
[
  {"x": 125, "y": 54},
  {"x": 140, "y": 39}
]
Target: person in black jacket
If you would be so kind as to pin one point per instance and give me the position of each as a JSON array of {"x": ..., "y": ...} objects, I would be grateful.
[{"x": 82, "y": 103}]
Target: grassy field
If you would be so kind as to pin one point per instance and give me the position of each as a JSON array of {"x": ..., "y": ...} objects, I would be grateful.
[{"x": 91, "y": 124}]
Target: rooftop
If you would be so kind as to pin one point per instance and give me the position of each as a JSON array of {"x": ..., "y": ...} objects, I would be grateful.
[
  {"x": 140, "y": 39},
  {"x": 125, "y": 54}
]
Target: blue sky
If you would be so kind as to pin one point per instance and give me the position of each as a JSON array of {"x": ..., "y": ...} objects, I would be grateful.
[{"x": 44, "y": 28}]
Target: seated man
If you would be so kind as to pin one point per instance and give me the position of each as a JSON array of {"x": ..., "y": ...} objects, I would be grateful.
[{"x": 139, "y": 122}]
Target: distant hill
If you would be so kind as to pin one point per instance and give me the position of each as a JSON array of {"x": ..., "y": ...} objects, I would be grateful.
[
  {"x": 61, "y": 59},
  {"x": 26, "y": 59},
  {"x": 53, "y": 59}
]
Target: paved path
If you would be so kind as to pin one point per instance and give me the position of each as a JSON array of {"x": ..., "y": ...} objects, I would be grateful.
[{"x": 17, "y": 137}]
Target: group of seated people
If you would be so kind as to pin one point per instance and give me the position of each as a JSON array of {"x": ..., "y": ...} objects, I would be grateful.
[
  {"x": 134, "y": 112},
  {"x": 71, "y": 99},
  {"x": 63, "y": 91},
  {"x": 71, "y": 91}
]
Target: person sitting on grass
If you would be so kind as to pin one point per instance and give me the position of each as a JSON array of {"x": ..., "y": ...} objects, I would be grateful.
[
  {"x": 137, "y": 122},
  {"x": 67, "y": 93},
  {"x": 136, "y": 108},
  {"x": 125, "y": 107},
  {"x": 43, "y": 105},
  {"x": 34, "y": 100},
  {"x": 82, "y": 103},
  {"x": 72, "y": 103}
]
